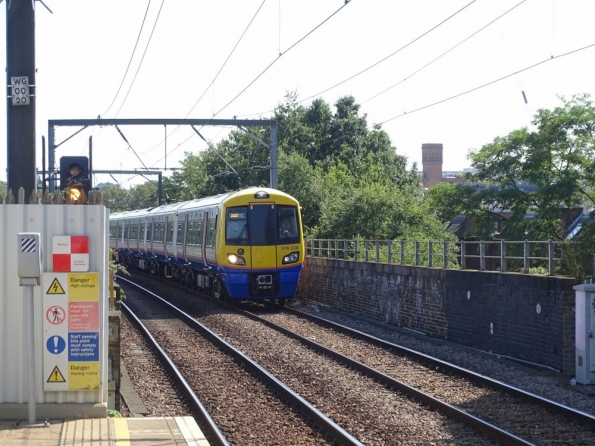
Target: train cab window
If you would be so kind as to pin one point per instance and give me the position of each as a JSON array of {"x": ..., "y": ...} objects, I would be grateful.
[
  {"x": 288, "y": 225},
  {"x": 262, "y": 218},
  {"x": 236, "y": 227}
]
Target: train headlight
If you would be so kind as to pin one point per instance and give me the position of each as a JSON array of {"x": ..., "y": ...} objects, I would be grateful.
[
  {"x": 236, "y": 260},
  {"x": 291, "y": 258}
]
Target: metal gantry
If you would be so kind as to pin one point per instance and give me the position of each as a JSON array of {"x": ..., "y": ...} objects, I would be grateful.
[{"x": 240, "y": 123}]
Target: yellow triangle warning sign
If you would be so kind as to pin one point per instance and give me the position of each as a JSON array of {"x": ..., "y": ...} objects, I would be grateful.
[
  {"x": 56, "y": 376},
  {"x": 55, "y": 287}
]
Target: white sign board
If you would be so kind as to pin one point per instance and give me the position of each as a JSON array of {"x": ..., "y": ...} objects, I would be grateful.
[{"x": 20, "y": 90}]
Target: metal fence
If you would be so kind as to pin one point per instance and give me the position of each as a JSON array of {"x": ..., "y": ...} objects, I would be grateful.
[{"x": 541, "y": 257}]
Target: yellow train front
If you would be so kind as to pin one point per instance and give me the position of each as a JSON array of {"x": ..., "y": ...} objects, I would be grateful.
[{"x": 260, "y": 245}]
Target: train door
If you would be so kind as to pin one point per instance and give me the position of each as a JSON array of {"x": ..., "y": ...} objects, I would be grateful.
[
  {"x": 118, "y": 241},
  {"x": 262, "y": 226},
  {"x": 137, "y": 235},
  {"x": 150, "y": 236},
  {"x": 179, "y": 238},
  {"x": 126, "y": 235},
  {"x": 205, "y": 231},
  {"x": 143, "y": 235},
  {"x": 211, "y": 236},
  {"x": 168, "y": 247},
  {"x": 184, "y": 236}
]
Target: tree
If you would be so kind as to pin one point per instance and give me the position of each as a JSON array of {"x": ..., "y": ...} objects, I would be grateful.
[
  {"x": 557, "y": 157},
  {"x": 115, "y": 198},
  {"x": 342, "y": 172}
]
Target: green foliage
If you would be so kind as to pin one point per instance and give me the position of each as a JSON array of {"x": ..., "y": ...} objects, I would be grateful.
[
  {"x": 349, "y": 179},
  {"x": 557, "y": 157},
  {"x": 3, "y": 189},
  {"x": 114, "y": 413}
]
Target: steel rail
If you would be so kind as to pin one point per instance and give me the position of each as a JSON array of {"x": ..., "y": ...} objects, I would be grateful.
[
  {"x": 294, "y": 399},
  {"x": 438, "y": 364},
  {"x": 212, "y": 430},
  {"x": 415, "y": 394}
]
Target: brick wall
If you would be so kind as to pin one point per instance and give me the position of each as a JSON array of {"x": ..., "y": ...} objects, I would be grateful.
[{"x": 522, "y": 316}]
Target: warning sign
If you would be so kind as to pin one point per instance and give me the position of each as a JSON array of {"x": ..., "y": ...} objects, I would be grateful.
[
  {"x": 83, "y": 287},
  {"x": 83, "y": 375},
  {"x": 55, "y": 287},
  {"x": 55, "y": 314},
  {"x": 70, "y": 253},
  {"x": 56, "y": 376},
  {"x": 72, "y": 335}
]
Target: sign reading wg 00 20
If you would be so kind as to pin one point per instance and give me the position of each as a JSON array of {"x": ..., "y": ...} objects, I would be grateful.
[{"x": 71, "y": 331}]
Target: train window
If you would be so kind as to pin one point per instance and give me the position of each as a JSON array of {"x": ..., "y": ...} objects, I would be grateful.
[
  {"x": 262, "y": 225},
  {"x": 170, "y": 232},
  {"x": 211, "y": 234},
  {"x": 288, "y": 225},
  {"x": 158, "y": 232},
  {"x": 199, "y": 230},
  {"x": 126, "y": 226},
  {"x": 180, "y": 232},
  {"x": 236, "y": 228},
  {"x": 195, "y": 225},
  {"x": 194, "y": 233},
  {"x": 134, "y": 231}
]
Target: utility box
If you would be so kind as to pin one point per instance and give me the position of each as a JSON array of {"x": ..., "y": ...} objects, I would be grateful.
[{"x": 585, "y": 329}]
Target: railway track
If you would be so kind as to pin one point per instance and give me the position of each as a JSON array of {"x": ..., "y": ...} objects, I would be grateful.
[
  {"x": 373, "y": 414},
  {"x": 475, "y": 400},
  {"x": 248, "y": 405}
]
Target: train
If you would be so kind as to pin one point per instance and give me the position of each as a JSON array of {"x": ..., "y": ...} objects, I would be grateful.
[{"x": 242, "y": 245}]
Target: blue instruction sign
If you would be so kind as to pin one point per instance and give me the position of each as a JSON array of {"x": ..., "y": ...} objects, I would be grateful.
[
  {"x": 55, "y": 345},
  {"x": 83, "y": 346}
]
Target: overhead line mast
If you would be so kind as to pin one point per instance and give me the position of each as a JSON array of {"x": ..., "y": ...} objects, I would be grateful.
[{"x": 20, "y": 113}]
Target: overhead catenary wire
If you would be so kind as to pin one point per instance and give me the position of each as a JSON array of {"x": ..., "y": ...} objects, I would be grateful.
[
  {"x": 487, "y": 84},
  {"x": 376, "y": 63},
  {"x": 377, "y": 125},
  {"x": 141, "y": 61},
  {"x": 130, "y": 147},
  {"x": 130, "y": 61},
  {"x": 214, "y": 79},
  {"x": 214, "y": 149},
  {"x": 272, "y": 63},
  {"x": 282, "y": 54},
  {"x": 393, "y": 53},
  {"x": 445, "y": 53}
]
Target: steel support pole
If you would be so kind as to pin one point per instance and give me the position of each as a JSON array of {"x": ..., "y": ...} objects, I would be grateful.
[
  {"x": 31, "y": 353},
  {"x": 20, "y": 62}
]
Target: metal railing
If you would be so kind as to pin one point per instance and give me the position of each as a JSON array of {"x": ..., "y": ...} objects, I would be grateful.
[{"x": 540, "y": 257}]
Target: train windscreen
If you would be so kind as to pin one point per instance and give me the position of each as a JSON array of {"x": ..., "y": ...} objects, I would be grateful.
[
  {"x": 236, "y": 228},
  {"x": 262, "y": 225}
]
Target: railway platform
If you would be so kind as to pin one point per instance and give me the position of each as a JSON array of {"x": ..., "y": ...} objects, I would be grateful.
[{"x": 154, "y": 431}]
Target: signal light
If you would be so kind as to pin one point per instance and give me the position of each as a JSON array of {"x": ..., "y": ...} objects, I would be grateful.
[
  {"x": 74, "y": 194},
  {"x": 74, "y": 177}
]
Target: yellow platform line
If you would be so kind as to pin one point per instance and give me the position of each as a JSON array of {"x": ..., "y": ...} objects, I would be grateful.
[{"x": 121, "y": 432}]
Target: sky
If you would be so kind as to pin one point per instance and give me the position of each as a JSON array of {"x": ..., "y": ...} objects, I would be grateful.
[{"x": 458, "y": 72}]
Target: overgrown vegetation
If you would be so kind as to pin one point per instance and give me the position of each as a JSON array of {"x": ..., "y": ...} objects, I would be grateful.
[{"x": 353, "y": 184}]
